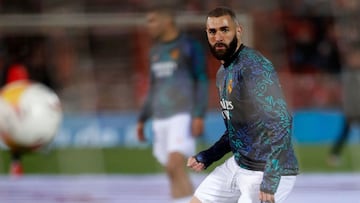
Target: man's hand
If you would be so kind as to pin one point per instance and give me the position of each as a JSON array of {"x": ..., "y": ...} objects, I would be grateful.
[
  {"x": 197, "y": 127},
  {"x": 140, "y": 131},
  {"x": 195, "y": 165},
  {"x": 266, "y": 197}
]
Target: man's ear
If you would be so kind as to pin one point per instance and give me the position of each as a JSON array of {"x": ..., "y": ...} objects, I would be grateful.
[{"x": 239, "y": 29}]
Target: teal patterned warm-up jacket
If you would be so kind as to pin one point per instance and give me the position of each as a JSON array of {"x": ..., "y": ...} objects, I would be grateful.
[{"x": 258, "y": 122}]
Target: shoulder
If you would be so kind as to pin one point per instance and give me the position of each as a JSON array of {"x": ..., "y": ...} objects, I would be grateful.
[
  {"x": 221, "y": 70},
  {"x": 220, "y": 73},
  {"x": 220, "y": 76},
  {"x": 189, "y": 46},
  {"x": 253, "y": 57},
  {"x": 252, "y": 61},
  {"x": 190, "y": 41},
  {"x": 188, "y": 38},
  {"x": 154, "y": 48}
]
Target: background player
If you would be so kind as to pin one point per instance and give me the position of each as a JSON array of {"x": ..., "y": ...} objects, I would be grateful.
[
  {"x": 22, "y": 62},
  {"x": 177, "y": 98},
  {"x": 258, "y": 124},
  {"x": 13, "y": 73}
]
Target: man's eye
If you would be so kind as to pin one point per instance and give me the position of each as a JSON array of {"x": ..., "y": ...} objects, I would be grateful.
[
  {"x": 225, "y": 30},
  {"x": 211, "y": 32}
]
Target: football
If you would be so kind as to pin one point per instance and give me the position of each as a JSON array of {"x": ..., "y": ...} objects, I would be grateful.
[{"x": 30, "y": 115}]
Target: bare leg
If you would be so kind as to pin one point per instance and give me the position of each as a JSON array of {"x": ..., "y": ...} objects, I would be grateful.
[
  {"x": 339, "y": 144},
  {"x": 16, "y": 167},
  {"x": 179, "y": 179},
  {"x": 336, "y": 149}
]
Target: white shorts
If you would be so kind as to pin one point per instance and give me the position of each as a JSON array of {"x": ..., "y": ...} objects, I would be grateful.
[
  {"x": 173, "y": 134},
  {"x": 229, "y": 183}
]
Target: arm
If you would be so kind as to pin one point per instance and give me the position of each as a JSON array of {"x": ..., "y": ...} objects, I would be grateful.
[
  {"x": 266, "y": 94},
  {"x": 200, "y": 80},
  {"x": 200, "y": 88},
  {"x": 146, "y": 111},
  {"x": 215, "y": 152}
]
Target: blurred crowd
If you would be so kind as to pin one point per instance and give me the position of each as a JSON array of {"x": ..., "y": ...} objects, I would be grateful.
[{"x": 310, "y": 42}]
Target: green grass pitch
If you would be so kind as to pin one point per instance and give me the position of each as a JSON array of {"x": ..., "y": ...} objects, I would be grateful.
[{"x": 312, "y": 158}]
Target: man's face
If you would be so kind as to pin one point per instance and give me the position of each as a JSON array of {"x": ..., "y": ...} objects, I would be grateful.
[
  {"x": 155, "y": 24},
  {"x": 222, "y": 33}
]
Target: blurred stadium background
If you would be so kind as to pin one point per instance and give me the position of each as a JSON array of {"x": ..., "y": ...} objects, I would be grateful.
[{"x": 93, "y": 54}]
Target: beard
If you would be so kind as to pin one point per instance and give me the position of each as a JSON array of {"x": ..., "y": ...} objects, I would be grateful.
[{"x": 226, "y": 53}]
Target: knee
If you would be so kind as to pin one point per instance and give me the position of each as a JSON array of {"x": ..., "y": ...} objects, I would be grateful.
[
  {"x": 175, "y": 165},
  {"x": 172, "y": 168}
]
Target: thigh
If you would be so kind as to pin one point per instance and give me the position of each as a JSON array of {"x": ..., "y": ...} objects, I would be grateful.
[
  {"x": 160, "y": 140},
  {"x": 249, "y": 184},
  {"x": 285, "y": 187},
  {"x": 179, "y": 136},
  {"x": 218, "y": 186}
]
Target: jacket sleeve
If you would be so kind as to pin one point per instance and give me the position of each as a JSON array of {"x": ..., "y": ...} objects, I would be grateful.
[
  {"x": 146, "y": 110},
  {"x": 215, "y": 152},
  {"x": 265, "y": 92},
  {"x": 200, "y": 79}
]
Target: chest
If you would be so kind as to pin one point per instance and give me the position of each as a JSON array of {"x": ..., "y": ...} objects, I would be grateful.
[
  {"x": 235, "y": 100},
  {"x": 166, "y": 60},
  {"x": 230, "y": 85}
]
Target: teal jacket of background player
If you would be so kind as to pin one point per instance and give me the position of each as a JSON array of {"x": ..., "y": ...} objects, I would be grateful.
[
  {"x": 178, "y": 79},
  {"x": 258, "y": 122}
]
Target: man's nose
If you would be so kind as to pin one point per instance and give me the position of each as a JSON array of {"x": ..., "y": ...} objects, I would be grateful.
[{"x": 219, "y": 37}]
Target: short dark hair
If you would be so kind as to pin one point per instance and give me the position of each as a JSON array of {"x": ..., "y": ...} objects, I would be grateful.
[{"x": 222, "y": 11}]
